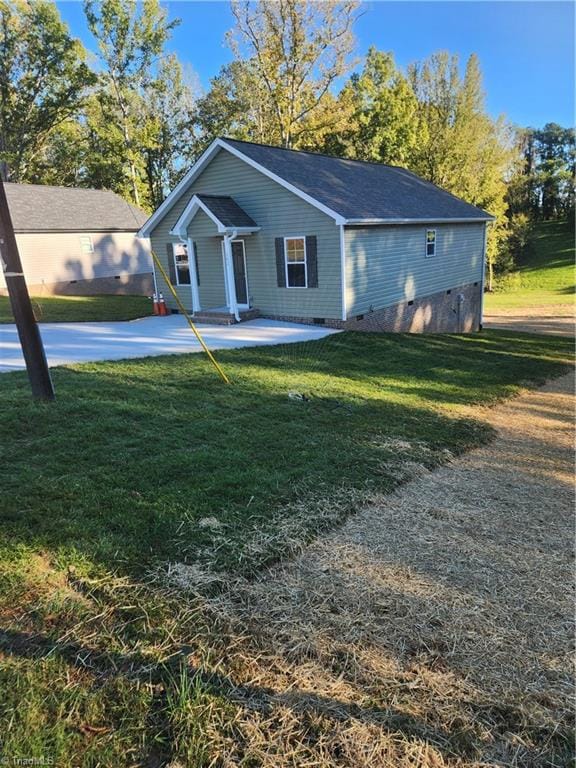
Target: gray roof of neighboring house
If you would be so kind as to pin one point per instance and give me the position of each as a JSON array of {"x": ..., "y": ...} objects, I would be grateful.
[
  {"x": 227, "y": 211},
  {"x": 43, "y": 208},
  {"x": 359, "y": 190}
]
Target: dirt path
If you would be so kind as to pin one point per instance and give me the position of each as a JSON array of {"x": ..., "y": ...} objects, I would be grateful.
[
  {"x": 434, "y": 628},
  {"x": 558, "y": 320}
]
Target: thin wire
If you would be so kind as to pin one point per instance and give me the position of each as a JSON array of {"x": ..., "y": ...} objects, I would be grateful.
[{"x": 189, "y": 319}]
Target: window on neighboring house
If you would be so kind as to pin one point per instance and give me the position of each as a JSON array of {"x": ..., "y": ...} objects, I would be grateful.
[
  {"x": 181, "y": 264},
  {"x": 86, "y": 245},
  {"x": 430, "y": 242},
  {"x": 295, "y": 255}
]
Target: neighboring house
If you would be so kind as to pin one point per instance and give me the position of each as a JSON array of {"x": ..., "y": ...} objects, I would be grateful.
[
  {"x": 310, "y": 238},
  {"x": 78, "y": 241}
]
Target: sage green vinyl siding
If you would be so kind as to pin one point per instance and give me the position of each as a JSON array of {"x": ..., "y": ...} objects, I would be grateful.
[
  {"x": 386, "y": 265},
  {"x": 278, "y": 213},
  {"x": 202, "y": 231}
]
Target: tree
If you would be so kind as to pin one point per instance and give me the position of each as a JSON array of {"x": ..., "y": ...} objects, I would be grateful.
[
  {"x": 542, "y": 184},
  {"x": 463, "y": 149},
  {"x": 130, "y": 37},
  {"x": 383, "y": 125},
  {"x": 554, "y": 173},
  {"x": 521, "y": 194},
  {"x": 236, "y": 105},
  {"x": 43, "y": 81},
  {"x": 297, "y": 50},
  {"x": 61, "y": 161},
  {"x": 169, "y": 142}
]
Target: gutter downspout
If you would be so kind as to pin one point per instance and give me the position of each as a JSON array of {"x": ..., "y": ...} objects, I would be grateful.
[
  {"x": 343, "y": 280},
  {"x": 232, "y": 300},
  {"x": 481, "y": 319}
]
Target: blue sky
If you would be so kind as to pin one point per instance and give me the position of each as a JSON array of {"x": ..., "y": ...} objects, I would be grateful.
[{"x": 526, "y": 49}]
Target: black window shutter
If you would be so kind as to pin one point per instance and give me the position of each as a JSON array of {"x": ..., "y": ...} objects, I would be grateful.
[
  {"x": 171, "y": 266},
  {"x": 280, "y": 268},
  {"x": 196, "y": 262},
  {"x": 312, "y": 261}
]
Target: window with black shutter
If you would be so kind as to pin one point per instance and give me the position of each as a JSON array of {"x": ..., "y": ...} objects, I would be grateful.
[
  {"x": 295, "y": 259},
  {"x": 181, "y": 263}
]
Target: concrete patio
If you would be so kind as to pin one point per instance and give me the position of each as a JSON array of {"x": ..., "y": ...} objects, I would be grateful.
[{"x": 87, "y": 342}]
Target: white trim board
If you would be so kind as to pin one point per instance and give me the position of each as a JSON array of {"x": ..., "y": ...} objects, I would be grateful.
[
  {"x": 198, "y": 167},
  {"x": 196, "y": 204},
  {"x": 381, "y": 222},
  {"x": 343, "y": 281},
  {"x": 221, "y": 144},
  {"x": 305, "y": 262}
]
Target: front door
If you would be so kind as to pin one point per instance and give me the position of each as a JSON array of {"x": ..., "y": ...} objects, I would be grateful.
[{"x": 239, "y": 264}]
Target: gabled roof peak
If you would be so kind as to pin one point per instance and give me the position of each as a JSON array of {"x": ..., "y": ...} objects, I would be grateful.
[{"x": 348, "y": 191}]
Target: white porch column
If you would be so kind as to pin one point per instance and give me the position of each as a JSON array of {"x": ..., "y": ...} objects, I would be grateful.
[
  {"x": 230, "y": 282},
  {"x": 193, "y": 276}
]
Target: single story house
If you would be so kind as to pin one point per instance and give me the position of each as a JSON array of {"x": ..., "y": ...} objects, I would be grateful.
[
  {"x": 78, "y": 241},
  {"x": 258, "y": 230}
]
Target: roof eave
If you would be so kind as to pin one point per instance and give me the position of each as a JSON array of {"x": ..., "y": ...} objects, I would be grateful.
[
  {"x": 88, "y": 230},
  {"x": 180, "y": 229},
  {"x": 201, "y": 163},
  {"x": 149, "y": 226},
  {"x": 436, "y": 220}
]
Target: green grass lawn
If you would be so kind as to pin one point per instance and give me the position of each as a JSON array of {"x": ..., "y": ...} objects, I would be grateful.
[
  {"x": 546, "y": 275},
  {"x": 143, "y": 462},
  {"x": 75, "y": 309}
]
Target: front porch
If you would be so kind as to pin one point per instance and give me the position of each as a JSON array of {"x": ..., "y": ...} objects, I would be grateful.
[
  {"x": 223, "y": 316},
  {"x": 214, "y": 231}
]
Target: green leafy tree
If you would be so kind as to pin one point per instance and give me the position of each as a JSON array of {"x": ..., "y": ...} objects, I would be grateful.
[
  {"x": 61, "y": 161},
  {"x": 522, "y": 194},
  {"x": 170, "y": 138},
  {"x": 131, "y": 37},
  {"x": 462, "y": 148},
  {"x": 383, "y": 125},
  {"x": 542, "y": 185},
  {"x": 554, "y": 172},
  {"x": 43, "y": 81},
  {"x": 236, "y": 105},
  {"x": 297, "y": 50}
]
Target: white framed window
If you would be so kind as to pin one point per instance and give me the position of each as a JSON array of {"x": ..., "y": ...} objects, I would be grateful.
[
  {"x": 295, "y": 262},
  {"x": 430, "y": 242},
  {"x": 86, "y": 244},
  {"x": 181, "y": 263}
]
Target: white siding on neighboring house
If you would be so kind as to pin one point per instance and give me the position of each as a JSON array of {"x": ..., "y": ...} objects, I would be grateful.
[
  {"x": 58, "y": 257},
  {"x": 386, "y": 265}
]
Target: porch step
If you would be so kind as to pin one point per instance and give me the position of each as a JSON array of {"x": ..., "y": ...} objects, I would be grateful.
[{"x": 215, "y": 317}]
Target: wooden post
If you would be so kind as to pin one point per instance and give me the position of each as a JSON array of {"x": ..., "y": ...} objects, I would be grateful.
[{"x": 28, "y": 331}]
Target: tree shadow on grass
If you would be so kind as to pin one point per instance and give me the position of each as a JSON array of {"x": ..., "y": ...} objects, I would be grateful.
[{"x": 133, "y": 455}]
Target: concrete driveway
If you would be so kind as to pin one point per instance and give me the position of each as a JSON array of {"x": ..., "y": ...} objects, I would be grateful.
[{"x": 86, "y": 342}]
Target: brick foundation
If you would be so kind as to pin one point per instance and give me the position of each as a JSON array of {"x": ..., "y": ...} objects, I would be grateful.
[
  {"x": 440, "y": 312},
  {"x": 135, "y": 285}
]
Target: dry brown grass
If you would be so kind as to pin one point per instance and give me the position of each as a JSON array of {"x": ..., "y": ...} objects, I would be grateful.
[{"x": 433, "y": 629}]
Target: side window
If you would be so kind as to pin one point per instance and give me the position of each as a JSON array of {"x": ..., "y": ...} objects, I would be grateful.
[
  {"x": 181, "y": 264},
  {"x": 295, "y": 260},
  {"x": 86, "y": 244},
  {"x": 430, "y": 242}
]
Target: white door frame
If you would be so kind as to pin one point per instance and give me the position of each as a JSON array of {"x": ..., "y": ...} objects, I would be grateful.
[{"x": 226, "y": 283}]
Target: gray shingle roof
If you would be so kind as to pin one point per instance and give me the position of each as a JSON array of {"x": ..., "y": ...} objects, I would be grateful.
[
  {"x": 38, "y": 208},
  {"x": 360, "y": 190},
  {"x": 227, "y": 211}
]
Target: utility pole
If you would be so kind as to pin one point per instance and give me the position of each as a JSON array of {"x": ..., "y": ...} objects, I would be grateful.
[{"x": 28, "y": 330}]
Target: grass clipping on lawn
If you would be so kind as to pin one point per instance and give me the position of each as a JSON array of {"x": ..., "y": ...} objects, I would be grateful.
[{"x": 433, "y": 629}]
